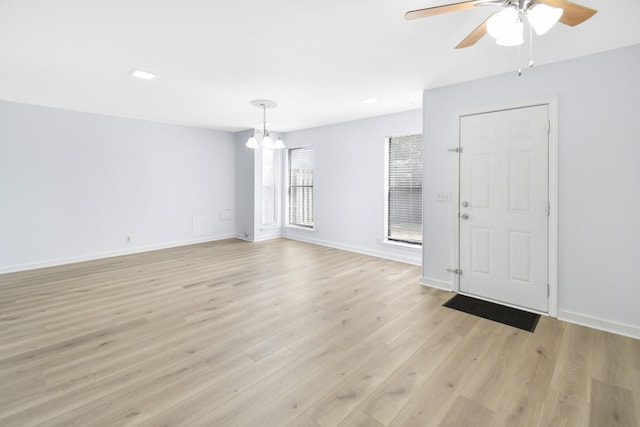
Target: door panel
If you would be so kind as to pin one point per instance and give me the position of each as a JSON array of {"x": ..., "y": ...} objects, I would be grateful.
[
  {"x": 520, "y": 182},
  {"x": 481, "y": 181},
  {"x": 481, "y": 250},
  {"x": 504, "y": 182},
  {"x": 521, "y": 266}
]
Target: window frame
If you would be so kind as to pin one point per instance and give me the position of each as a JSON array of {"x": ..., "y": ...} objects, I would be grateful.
[
  {"x": 275, "y": 190},
  {"x": 289, "y": 186},
  {"x": 387, "y": 239}
]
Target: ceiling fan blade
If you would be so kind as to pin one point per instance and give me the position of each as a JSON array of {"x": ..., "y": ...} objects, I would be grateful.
[
  {"x": 573, "y": 14},
  {"x": 475, "y": 35},
  {"x": 439, "y": 10}
]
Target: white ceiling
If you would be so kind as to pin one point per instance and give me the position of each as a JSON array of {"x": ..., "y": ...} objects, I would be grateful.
[{"x": 317, "y": 58}]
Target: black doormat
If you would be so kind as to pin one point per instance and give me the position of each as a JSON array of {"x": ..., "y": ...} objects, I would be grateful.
[{"x": 496, "y": 312}]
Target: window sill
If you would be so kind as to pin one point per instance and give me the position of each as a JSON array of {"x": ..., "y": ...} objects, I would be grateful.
[
  {"x": 297, "y": 228},
  {"x": 400, "y": 245}
]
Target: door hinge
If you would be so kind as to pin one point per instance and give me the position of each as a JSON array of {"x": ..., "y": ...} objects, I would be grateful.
[
  {"x": 455, "y": 150},
  {"x": 548, "y": 208},
  {"x": 548, "y": 127},
  {"x": 455, "y": 271},
  {"x": 548, "y": 291}
]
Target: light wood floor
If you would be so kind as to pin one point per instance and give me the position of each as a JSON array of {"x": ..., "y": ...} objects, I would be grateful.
[{"x": 284, "y": 333}]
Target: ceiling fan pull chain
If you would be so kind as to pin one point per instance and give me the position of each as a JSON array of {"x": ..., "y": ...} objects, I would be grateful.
[
  {"x": 519, "y": 60},
  {"x": 530, "y": 46}
]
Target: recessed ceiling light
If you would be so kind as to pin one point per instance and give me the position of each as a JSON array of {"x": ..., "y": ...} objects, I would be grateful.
[
  {"x": 142, "y": 74},
  {"x": 369, "y": 101}
]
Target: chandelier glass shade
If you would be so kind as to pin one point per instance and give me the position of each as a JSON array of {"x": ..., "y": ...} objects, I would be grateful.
[
  {"x": 267, "y": 142},
  {"x": 252, "y": 142}
]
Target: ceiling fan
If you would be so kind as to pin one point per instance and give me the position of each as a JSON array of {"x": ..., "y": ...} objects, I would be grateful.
[{"x": 506, "y": 25}]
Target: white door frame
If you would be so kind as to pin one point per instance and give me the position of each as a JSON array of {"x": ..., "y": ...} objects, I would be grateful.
[{"x": 552, "y": 278}]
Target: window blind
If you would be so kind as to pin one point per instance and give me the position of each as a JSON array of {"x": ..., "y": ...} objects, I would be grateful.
[
  {"x": 301, "y": 187},
  {"x": 404, "y": 197}
]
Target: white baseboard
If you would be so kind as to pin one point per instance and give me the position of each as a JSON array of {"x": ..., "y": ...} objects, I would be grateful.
[
  {"x": 356, "y": 249},
  {"x": 265, "y": 238},
  {"x": 253, "y": 239},
  {"x": 109, "y": 254},
  {"x": 243, "y": 237},
  {"x": 600, "y": 324},
  {"x": 438, "y": 284}
]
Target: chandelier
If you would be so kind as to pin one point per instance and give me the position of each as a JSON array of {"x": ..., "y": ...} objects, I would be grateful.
[{"x": 267, "y": 142}]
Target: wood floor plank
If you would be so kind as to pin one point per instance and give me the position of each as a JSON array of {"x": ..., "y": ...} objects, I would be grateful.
[
  {"x": 403, "y": 385},
  {"x": 464, "y": 412},
  {"x": 636, "y": 389},
  {"x": 612, "y": 406},
  {"x": 564, "y": 410},
  {"x": 413, "y": 414},
  {"x": 93, "y": 336},
  {"x": 405, "y": 321},
  {"x": 145, "y": 401},
  {"x": 214, "y": 392},
  {"x": 289, "y": 405},
  {"x": 493, "y": 377},
  {"x": 521, "y": 411},
  {"x": 453, "y": 374},
  {"x": 303, "y": 421},
  {"x": 322, "y": 369},
  {"x": 535, "y": 365},
  {"x": 572, "y": 373},
  {"x": 124, "y": 403},
  {"x": 344, "y": 398},
  {"x": 230, "y": 333},
  {"x": 612, "y": 362},
  {"x": 358, "y": 418}
]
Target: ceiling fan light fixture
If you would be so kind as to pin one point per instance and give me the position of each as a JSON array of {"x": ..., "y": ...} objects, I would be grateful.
[
  {"x": 503, "y": 24},
  {"x": 513, "y": 37},
  {"x": 506, "y": 27},
  {"x": 543, "y": 17}
]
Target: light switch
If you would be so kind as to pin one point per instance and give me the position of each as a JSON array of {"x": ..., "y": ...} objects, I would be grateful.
[{"x": 443, "y": 196}]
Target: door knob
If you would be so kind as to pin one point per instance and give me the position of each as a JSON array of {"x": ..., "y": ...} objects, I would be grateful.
[{"x": 464, "y": 216}]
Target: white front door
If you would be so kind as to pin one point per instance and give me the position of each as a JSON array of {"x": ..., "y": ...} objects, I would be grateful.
[{"x": 504, "y": 194}]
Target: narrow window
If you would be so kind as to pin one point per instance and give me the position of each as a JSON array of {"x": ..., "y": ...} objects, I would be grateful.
[
  {"x": 404, "y": 189},
  {"x": 269, "y": 199},
  {"x": 300, "y": 201}
]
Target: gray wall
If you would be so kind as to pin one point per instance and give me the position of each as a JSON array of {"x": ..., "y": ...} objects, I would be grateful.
[
  {"x": 599, "y": 178},
  {"x": 349, "y": 183},
  {"x": 245, "y": 172},
  {"x": 73, "y": 185}
]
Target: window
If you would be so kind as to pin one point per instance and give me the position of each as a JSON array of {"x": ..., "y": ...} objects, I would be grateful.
[
  {"x": 269, "y": 199},
  {"x": 404, "y": 189},
  {"x": 301, "y": 187}
]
